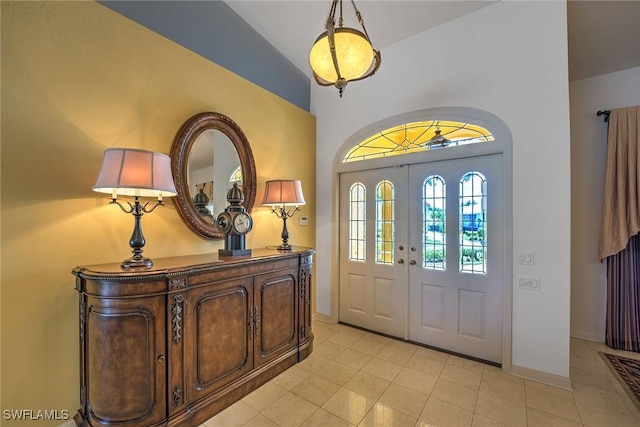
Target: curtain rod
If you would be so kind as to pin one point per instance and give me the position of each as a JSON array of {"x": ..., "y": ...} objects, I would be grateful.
[{"x": 604, "y": 113}]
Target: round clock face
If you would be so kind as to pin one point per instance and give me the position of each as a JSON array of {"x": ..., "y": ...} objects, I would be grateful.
[
  {"x": 224, "y": 222},
  {"x": 242, "y": 223}
]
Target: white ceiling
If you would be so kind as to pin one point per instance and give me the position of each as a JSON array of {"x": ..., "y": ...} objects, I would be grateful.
[{"x": 604, "y": 36}]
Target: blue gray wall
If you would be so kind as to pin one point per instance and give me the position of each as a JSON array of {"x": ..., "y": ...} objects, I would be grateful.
[{"x": 214, "y": 31}]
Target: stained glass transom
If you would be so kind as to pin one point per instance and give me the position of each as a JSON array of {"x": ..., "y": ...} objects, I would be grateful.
[
  {"x": 236, "y": 176},
  {"x": 416, "y": 137}
]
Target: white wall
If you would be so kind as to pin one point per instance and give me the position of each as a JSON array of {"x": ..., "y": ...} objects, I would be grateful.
[
  {"x": 509, "y": 59},
  {"x": 588, "y": 154},
  {"x": 225, "y": 162}
]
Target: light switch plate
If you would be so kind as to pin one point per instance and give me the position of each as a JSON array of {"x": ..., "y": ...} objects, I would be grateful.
[{"x": 525, "y": 258}]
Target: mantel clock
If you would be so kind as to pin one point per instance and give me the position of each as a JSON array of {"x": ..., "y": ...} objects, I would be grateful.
[{"x": 235, "y": 222}]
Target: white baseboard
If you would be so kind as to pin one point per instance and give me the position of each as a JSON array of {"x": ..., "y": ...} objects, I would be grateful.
[
  {"x": 588, "y": 336},
  {"x": 321, "y": 317},
  {"x": 541, "y": 377}
]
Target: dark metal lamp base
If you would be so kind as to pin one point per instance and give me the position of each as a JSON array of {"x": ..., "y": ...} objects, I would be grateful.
[{"x": 137, "y": 262}]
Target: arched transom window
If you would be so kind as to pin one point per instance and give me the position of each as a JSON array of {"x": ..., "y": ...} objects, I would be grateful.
[
  {"x": 417, "y": 137},
  {"x": 236, "y": 176}
]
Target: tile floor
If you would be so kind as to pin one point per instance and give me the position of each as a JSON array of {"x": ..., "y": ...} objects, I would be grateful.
[{"x": 355, "y": 378}]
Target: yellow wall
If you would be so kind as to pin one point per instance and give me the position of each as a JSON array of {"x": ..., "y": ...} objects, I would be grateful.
[{"x": 78, "y": 78}]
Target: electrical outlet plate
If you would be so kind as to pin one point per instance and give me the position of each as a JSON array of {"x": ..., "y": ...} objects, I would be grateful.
[{"x": 529, "y": 282}]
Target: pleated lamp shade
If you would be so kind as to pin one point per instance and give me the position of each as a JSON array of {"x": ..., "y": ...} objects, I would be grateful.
[
  {"x": 283, "y": 192},
  {"x": 134, "y": 172}
]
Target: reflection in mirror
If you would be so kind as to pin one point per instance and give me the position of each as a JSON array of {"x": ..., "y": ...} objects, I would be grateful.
[
  {"x": 213, "y": 167},
  {"x": 209, "y": 154}
]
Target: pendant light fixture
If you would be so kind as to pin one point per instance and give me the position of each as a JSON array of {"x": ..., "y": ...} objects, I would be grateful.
[
  {"x": 342, "y": 55},
  {"x": 437, "y": 140}
]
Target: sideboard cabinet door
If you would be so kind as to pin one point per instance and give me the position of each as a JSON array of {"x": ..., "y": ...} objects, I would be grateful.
[
  {"x": 126, "y": 366},
  {"x": 219, "y": 321},
  {"x": 276, "y": 314}
]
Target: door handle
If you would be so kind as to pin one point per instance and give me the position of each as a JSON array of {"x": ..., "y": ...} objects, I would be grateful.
[
  {"x": 400, "y": 261},
  {"x": 412, "y": 262}
]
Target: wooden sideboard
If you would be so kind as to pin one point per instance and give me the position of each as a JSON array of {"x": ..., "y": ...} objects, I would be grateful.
[{"x": 177, "y": 343}]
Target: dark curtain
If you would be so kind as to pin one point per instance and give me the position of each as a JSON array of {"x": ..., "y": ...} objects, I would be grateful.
[
  {"x": 620, "y": 227},
  {"x": 623, "y": 297}
]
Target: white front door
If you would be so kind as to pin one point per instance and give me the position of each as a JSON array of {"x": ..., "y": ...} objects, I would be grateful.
[
  {"x": 456, "y": 263},
  {"x": 373, "y": 275},
  {"x": 440, "y": 279}
]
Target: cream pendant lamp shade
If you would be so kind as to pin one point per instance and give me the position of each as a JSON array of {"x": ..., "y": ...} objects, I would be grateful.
[
  {"x": 340, "y": 55},
  {"x": 354, "y": 53}
]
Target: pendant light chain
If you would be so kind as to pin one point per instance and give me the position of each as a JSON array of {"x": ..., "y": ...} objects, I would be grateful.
[
  {"x": 360, "y": 20},
  {"x": 331, "y": 22},
  {"x": 331, "y": 19}
]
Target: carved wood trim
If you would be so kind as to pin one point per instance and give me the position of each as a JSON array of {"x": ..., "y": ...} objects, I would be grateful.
[
  {"x": 256, "y": 318},
  {"x": 177, "y": 397},
  {"x": 303, "y": 282},
  {"x": 83, "y": 315},
  {"x": 250, "y": 325},
  {"x": 177, "y": 283},
  {"x": 84, "y": 273},
  {"x": 176, "y": 319}
]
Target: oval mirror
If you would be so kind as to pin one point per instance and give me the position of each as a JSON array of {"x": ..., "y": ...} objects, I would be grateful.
[{"x": 209, "y": 154}]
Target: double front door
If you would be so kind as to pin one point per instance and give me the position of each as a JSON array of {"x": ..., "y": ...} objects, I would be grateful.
[{"x": 421, "y": 253}]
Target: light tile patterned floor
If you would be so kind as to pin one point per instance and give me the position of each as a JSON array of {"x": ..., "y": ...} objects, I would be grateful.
[{"x": 355, "y": 378}]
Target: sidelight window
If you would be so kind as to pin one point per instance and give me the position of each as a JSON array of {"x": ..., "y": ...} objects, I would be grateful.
[
  {"x": 357, "y": 222},
  {"x": 434, "y": 223},
  {"x": 385, "y": 223},
  {"x": 473, "y": 223}
]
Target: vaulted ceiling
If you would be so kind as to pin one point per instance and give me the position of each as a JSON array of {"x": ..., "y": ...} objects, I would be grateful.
[{"x": 604, "y": 36}]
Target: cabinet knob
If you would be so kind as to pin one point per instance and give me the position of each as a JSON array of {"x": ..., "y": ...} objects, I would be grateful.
[
  {"x": 412, "y": 262},
  {"x": 400, "y": 261},
  {"x": 161, "y": 359}
]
